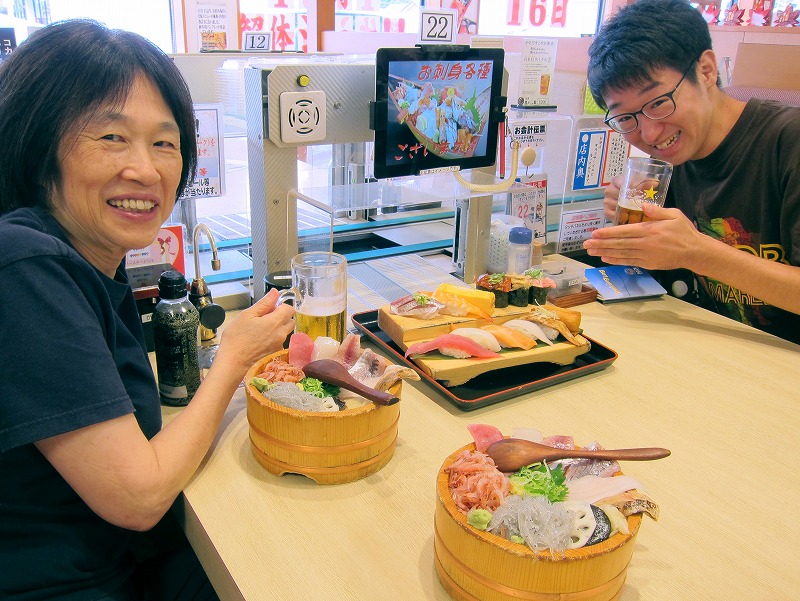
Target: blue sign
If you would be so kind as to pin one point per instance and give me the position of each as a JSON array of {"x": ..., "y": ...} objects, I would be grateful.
[
  {"x": 589, "y": 154},
  {"x": 8, "y": 42}
]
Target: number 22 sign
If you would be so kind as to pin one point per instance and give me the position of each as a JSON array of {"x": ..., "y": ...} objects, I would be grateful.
[{"x": 437, "y": 26}]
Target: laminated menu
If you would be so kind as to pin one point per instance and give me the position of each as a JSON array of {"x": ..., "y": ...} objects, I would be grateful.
[{"x": 616, "y": 283}]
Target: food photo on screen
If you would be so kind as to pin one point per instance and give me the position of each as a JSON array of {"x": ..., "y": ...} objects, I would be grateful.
[{"x": 440, "y": 109}]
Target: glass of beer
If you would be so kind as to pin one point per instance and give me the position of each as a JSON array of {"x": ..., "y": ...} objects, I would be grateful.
[
  {"x": 544, "y": 84},
  {"x": 646, "y": 180},
  {"x": 319, "y": 294}
]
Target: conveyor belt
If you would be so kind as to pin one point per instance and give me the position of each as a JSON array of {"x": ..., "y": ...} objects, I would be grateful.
[{"x": 372, "y": 284}]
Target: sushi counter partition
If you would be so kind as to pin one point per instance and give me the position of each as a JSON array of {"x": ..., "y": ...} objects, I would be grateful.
[{"x": 722, "y": 396}]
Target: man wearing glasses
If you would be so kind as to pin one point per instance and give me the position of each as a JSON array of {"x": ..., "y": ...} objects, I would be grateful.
[{"x": 732, "y": 215}]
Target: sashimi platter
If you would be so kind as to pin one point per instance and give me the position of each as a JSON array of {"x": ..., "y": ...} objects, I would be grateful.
[
  {"x": 456, "y": 333},
  {"x": 562, "y": 529}
]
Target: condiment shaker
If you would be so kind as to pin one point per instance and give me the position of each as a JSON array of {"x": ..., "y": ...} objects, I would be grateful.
[
  {"x": 176, "y": 324},
  {"x": 519, "y": 249}
]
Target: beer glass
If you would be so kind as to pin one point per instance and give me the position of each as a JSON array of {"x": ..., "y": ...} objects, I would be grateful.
[
  {"x": 645, "y": 180},
  {"x": 319, "y": 294}
]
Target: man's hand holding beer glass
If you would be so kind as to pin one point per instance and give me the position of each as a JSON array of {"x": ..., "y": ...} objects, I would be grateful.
[{"x": 663, "y": 239}]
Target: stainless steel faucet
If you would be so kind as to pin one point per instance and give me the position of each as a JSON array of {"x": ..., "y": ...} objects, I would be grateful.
[{"x": 211, "y": 314}]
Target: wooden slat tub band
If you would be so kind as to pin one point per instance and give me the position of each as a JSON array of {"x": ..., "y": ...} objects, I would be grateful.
[
  {"x": 391, "y": 430},
  {"x": 309, "y": 470},
  {"x": 520, "y": 594}
]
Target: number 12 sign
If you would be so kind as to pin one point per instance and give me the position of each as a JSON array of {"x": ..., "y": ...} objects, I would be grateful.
[
  {"x": 257, "y": 41},
  {"x": 437, "y": 26}
]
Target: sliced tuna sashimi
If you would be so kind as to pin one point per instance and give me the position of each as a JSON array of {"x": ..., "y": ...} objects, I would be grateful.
[
  {"x": 301, "y": 348},
  {"x": 484, "y": 436}
]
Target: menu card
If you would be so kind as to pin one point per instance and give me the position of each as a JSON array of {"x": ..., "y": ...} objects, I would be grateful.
[{"x": 620, "y": 283}]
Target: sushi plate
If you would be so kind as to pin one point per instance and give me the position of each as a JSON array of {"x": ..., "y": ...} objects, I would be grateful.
[{"x": 497, "y": 385}]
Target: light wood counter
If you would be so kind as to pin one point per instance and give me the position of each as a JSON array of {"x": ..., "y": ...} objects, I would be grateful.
[{"x": 722, "y": 396}]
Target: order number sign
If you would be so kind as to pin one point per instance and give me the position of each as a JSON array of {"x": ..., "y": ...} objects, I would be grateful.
[
  {"x": 437, "y": 26},
  {"x": 257, "y": 41}
]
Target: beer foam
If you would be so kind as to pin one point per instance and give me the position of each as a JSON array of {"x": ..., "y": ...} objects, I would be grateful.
[{"x": 322, "y": 306}]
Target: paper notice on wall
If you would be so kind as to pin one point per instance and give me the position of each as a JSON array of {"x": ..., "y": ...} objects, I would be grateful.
[
  {"x": 536, "y": 75},
  {"x": 209, "y": 181},
  {"x": 529, "y": 203},
  {"x": 577, "y": 226},
  {"x": 212, "y": 25}
]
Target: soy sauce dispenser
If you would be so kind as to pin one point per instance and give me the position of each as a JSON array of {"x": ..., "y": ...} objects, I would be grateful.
[{"x": 176, "y": 324}]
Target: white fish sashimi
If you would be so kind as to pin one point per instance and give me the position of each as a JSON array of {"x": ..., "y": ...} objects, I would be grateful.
[
  {"x": 482, "y": 337},
  {"x": 530, "y": 329},
  {"x": 325, "y": 347},
  {"x": 590, "y": 489},
  {"x": 527, "y": 433}
]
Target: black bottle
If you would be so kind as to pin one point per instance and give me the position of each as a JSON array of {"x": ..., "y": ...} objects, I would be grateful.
[{"x": 175, "y": 337}]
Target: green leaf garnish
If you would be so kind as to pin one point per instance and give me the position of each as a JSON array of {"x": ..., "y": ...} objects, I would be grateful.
[
  {"x": 421, "y": 299},
  {"x": 539, "y": 479}
]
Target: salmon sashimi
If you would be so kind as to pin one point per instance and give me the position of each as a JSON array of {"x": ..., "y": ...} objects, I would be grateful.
[
  {"x": 510, "y": 338},
  {"x": 451, "y": 345}
]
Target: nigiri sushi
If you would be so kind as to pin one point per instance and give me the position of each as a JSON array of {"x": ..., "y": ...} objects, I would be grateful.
[
  {"x": 529, "y": 329},
  {"x": 451, "y": 345},
  {"x": 457, "y": 306},
  {"x": 419, "y": 305},
  {"x": 482, "y": 337},
  {"x": 550, "y": 322},
  {"x": 509, "y": 337}
]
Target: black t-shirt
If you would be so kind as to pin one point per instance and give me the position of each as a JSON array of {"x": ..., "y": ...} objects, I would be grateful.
[
  {"x": 747, "y": 194},
  {"x": 74, "y": 355}
]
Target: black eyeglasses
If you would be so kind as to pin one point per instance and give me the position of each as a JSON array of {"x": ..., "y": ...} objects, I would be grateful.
[{"x": 660, "y": 107}]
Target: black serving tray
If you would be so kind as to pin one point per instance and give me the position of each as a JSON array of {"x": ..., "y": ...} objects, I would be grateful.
[{"x": 498, "y": 385}]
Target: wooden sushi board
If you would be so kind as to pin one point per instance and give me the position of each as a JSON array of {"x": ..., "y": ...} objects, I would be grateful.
[{"x": 405, "y": 331}]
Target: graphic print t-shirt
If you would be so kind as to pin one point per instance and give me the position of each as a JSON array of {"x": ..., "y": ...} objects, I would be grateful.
[{"x": 747, "y": 195}]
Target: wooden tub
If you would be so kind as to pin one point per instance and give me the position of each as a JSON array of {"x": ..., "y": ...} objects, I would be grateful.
[
  {"x": 329, "y": 448},
  {"x": 473, "y": 565}
]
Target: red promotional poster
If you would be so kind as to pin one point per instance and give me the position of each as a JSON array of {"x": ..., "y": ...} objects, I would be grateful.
[
  {"x": 709, "y": 10},
  {"x": 761, "y": 13},
  {"x": 785, "y": 14},
  {"x": 166, "y": 249},
  {"x": 732, "y": 15}
]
